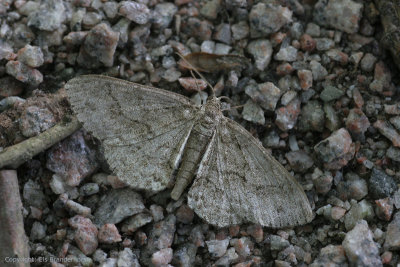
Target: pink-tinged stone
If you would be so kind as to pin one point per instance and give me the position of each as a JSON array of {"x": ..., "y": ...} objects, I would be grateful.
[
  {"x": 9, "y": 86},
  {"x": 338, "y": 56},
  {"x": 392, "y": 240},
  {"x": 284, "y": 69},
  {"x": 393, "y": 109},
  {"x": 357, "y": 123},
  {"x": 243, "y": 246},
  {"x": 306, "y": 79},
  {"x": 36, "y": 213},
  {"x": 109, "y": 234},
  {"x": 24, "y": 73},
  {"x": 358, "y": 99},
  {"x": 192, "y": 84},
  {"x": 134, "y": 11},
  {"x": 336, "y": 151},
  {"x": 307, "y": 43},
  {"x": 337, "y": 213},
  {"x": 140, "y": 238},
  {"x": 115, "y": 182},
  {"x": 72, "y": 159},
  {"x": 162, "y": 257},
  {"x": 85, "y": 234},
  {"x": 202, "y": 29},
  {"x": 382, "y": 78},
  {"x": 234, "y": 230},
  {"x": 13, "y": 241},
  {"x": 386, "y": 257},
  {"x": 384, "y": 208},
  {"x": 31, "y": 56},
  {"x": 256, "y": 232},
  {"x": 286, "y": 117},
  {"x": 184, "y": 214},
  {"x": 99, "y": 47},
  {"x": 75, "y": 38},
  {"x": 77, "y": 208},
  {"x": 388, "y": 131}
]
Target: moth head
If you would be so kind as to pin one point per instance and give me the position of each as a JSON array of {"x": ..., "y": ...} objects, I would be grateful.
[{"x": 212, "y": 107}]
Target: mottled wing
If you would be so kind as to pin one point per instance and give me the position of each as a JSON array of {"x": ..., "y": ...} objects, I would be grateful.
[
  {"x": 238, "y": 181},
  {"x": 143, "y": 129}
]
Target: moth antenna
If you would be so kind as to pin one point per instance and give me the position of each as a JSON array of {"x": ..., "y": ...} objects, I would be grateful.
[
  {"x": 197, "y": 72},
  {"x": 195, "y": 80}
]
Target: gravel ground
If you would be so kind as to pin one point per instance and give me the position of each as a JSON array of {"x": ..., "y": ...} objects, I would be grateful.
[{"x": 319, "y": 90}]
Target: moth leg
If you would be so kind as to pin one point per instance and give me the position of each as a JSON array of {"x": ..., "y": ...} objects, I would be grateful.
[{"x": 196, "y": 151}]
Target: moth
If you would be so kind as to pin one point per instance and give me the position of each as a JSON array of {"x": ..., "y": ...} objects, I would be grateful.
[{"x": 153, "y": 138}]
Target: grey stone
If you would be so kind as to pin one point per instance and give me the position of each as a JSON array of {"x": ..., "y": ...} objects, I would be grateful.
[
  {"x": 353, "y": 188},
  {"x": 265, "y": 94},
  {"x": 134, "y": 11},
  {"x": 33, "y": 194},
  {"x": 330, "y": 93},
  {"x": 89, "y": 189},
  {"x": 253, "y": 112},
  {"x": 163, "y": 15},
  {"x": 299, "y": 160},
  {"x": 35, "y": 120},
  {"x": 343, "y": 15},
  {"x": 184, "y": 255},
  {"x": 261, "y": 50},
  {"x": 49, "y": 16},
  {"x": 381, "y": 185},
  {"x": 288, "y": 53},
  {"x": 126, "y": 258},
  {"x": 312, "y": 117},
  {"x": 31, "y": 56},
  {"x": 133, "y": 223},
  {"x": 38, "y": 231},
  {"x": 118, "y": 204},
  {"x": 278, "y": 243},
  {"x": 266, "y": 19},
  {"x": 217, "y": 248},
  {"x": 358, "y": 211},
  {"x": 361, "y": 250}
]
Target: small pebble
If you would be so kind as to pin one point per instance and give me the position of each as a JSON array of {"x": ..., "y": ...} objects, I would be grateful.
[
  {"x": 118, "y": 204},
  {"x": 266, "y": 19},
  {"x": 31, "y": 56},
  {"x": 162, "y": 257},
  {"x": 134, "y": 11},
  {"x": 368, "y": 62},
  {"x": 85, "y": 234},
  {"x": 217, "y": 248},
  {"x": 288, "y": 53},
  {"x": 24, "y": 73},
  {"x": 384, "y": 208},
  {"x": 184, "y": 214},
  {"x": 392, "y": 241},
  {"x": 253, "y": 112},
  {"x": 108, "y": 234},
  {"x": 286, "y": 117},
  {"x": 131, "y": 224},
  {"x": 261, "y": 50},
  {"x": 265, "y": 94},
  {"x": 336, "y": 150},
  {"x": 306, "y": 79},
  {"x": 381, "y": 185},
  {"x": 361, "y": 250},
  {"x": 358, "y": 211},
  {"x": 299, "y": 160}
]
